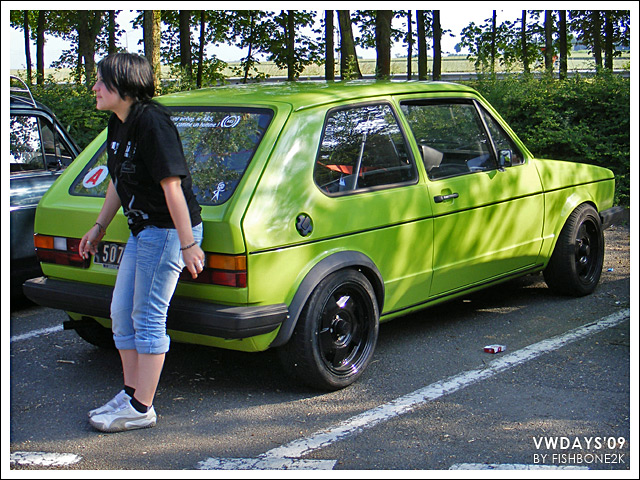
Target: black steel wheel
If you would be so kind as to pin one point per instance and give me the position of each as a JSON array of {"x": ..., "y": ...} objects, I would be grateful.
[
  {"x": 576, "y": 263},
  {"x": 336, "y": 334}
]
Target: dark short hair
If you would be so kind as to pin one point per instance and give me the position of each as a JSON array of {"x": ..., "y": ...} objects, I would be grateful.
[{"x": 129, "y": 74}]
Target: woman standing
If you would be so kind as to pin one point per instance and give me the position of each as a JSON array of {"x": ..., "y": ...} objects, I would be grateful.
[{"x": 150, "y": 180}]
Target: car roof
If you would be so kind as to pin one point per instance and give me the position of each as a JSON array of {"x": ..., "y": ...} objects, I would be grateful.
[{"x": 306, "y": 94}]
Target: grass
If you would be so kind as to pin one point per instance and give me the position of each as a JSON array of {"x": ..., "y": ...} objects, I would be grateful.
[{"x": 450, "y": 64}]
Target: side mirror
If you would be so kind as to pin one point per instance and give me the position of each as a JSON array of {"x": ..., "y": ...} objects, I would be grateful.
[{"x": 504, "y": 158}]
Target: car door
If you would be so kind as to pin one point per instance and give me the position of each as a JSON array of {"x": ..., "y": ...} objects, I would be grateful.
[
  {"x": 38, "y": 155},
  {"x": 486, "y": 198}
]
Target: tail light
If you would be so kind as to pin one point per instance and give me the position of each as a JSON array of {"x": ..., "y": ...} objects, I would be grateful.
[
  {"x": 226, "y": 270},
  {"x": 59, "y": 250}
]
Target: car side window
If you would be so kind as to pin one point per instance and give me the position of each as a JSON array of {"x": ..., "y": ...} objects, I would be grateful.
[
  {"x": 451, "y": 136},
  {"x": 36, "y": 145},
  {"x": 26, "y": 146},
  {"x": 56, "y": 153},
  {"x": 508, "y": 153},
  {"x": 362, "y": 147}
]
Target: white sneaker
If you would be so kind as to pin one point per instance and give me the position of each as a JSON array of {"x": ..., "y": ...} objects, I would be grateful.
[
  {"x": 125, "y": 417},
  {"x": 111, "y": 405}
]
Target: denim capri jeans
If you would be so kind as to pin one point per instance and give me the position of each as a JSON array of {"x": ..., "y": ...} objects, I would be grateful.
[{"x": 147, "y": 277}]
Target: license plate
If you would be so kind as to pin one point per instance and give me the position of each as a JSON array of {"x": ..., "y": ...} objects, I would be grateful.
[{"x": 109, "y": 254}]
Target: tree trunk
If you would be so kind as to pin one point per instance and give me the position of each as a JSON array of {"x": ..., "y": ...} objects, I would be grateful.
[
  {"x": 422, "y": 46},
  {"x": 383, "y": 44},
  {"x": 597, "y": 45},
  {"x": 548, "y": 41},
  {"x": 185, "y": 41},
  {"x": 564, "y": 51},
  {"x": 201, "y": 48},
  {"x": 349, "y": 67},
  {"x": 291, "y": 45},
  {"x": 27, "y": 45},
  {"x": 608, "y": 40},
  {"x": 493, "y": 43},
  {"x": 89, "y": 23},
  {"x": 151, "y": 36},
  {"x": 409, "y": 44},
  {"x": 249, "y": 62},
  {"x": 40, "y": 48},
  {"x": 524, "y": 44},
  {"x": 329, "y": 62},
  {"x": 437, "y": 48},
  {"x": 112, "y": 48}
]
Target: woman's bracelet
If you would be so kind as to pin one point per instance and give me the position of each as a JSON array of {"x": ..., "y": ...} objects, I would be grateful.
[
  {"x": 188, "y": 246},
  {"x": 100, "y": 227}
]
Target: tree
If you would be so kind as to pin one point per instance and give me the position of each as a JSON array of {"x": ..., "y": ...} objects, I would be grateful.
[
  {"x": 437, "y": 49},
  {"x": 349, "y": 67},
  {"x": 410, "y": 43},
  {"x": 595, "y": 28},
  {"x": 151, "y": 38},
  {"x": 422, "y": 27},
  {"x": 40, "y": 48},
  {"x": 564, "y": 51},
  {"x": 203, "y": 24},
  {"x": 523, "y": 43},
  {"x": 89, "y": 23},
  {"x": 329, "y": 62},
  {"x": 250, "y": 29},
  {"x": 287, "y": 47},
  {"x": 185, "y": 41},
  {"x": 383, "y": 43},
  {"x": 549, "y": 53},
  {"x": 27, "y": 45},
  {"x": 112, "y": 32}
]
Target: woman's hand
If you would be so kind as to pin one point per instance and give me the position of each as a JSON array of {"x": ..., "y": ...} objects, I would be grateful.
[
  {"x": 193, "y": 258},
  {"x": 90, "y": 240}
]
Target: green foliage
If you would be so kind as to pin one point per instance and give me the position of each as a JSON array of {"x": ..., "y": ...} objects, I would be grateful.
[
  {"x": 581, "y": 119},
  {"x": 75, "y": 107}
]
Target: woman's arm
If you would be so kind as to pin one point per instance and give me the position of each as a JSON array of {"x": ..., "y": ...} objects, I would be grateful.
[
  {"x": 193, "y": 256},
  {"x": 109, "y": 209}
]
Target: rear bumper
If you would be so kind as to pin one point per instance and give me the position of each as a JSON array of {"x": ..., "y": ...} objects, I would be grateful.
[
  {"x": 612, "y": 216},
  {"x": 185, "y": 314}
]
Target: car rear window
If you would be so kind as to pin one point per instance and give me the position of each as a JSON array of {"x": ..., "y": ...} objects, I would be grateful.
[{"x": 218, "y": 145}]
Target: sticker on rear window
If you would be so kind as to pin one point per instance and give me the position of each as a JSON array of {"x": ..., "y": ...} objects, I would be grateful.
[{"x": 95, "y": 177}]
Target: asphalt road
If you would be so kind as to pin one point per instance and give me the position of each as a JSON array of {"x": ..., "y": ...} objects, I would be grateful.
[{"x": 558, "y": 397}]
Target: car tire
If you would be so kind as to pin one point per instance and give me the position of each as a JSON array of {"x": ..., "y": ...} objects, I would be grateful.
[
  {"x": 576, "y": 263},
  {"x": 94, "y": 333},
  {"x": 335, "y": 336}
]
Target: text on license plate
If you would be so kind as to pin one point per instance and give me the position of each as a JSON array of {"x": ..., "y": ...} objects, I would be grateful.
[{"x": 109, "y": 254}]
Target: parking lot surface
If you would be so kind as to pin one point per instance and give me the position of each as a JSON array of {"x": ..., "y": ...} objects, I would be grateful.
[{"x": 559, "y": 396}]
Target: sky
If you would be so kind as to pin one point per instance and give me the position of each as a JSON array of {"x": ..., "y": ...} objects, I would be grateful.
[{"x": 454, "y": 16}]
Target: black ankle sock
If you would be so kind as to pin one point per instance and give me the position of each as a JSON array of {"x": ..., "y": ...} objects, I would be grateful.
[
  {"x": 140, "y": 407},
  {"x": 129, "y": 390}
]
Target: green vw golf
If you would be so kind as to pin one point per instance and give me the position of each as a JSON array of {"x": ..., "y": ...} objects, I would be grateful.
[{"x": 329, "y": 208}]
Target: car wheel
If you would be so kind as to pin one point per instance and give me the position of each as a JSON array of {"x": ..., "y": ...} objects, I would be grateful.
[
  {"x": 336, "y": 334},
  {"x": 576, "y": 262},
  {"x": 94, "y": 333}
]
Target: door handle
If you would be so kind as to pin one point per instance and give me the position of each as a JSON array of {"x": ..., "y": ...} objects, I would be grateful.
[{"x": 442, "y": 198}]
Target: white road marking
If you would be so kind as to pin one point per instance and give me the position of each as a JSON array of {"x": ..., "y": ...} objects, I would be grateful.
[
  {"x": 36, "y": 333},
  {"x": 405, "y": 404},
  {"x": 512, "y": 466},
  {"x": 44, "y": 459}
]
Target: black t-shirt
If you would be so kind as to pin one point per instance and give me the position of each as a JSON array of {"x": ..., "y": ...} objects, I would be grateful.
[{"x": 142, "y": 151}]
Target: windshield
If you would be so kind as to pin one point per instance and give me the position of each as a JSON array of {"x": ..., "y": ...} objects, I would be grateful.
[{"x": 218, "y": 145}]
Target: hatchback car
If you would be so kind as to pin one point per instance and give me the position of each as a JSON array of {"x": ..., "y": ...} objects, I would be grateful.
[
  {"x": 331, "y": 207},
  {"x": 41, "y": 148}
]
